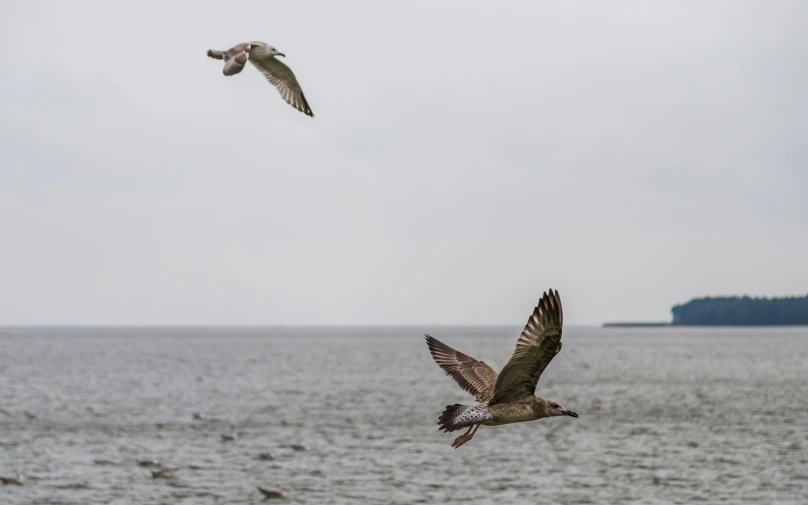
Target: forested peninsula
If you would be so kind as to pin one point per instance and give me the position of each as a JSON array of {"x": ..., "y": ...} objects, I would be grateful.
[
  {"x": 742, "y": 311},
  {"x": 734, "y": 311}
]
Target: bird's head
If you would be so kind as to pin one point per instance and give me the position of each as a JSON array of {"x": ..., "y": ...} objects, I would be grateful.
[
  {"x": 263, "y": 49},
  {"x": 554, "y": 409}
]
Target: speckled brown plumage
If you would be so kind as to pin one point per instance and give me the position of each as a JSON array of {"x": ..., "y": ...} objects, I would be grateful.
[{"x": 509, "y": 396}]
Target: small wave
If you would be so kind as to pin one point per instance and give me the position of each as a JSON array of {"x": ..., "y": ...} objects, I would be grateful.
[
  {"x": 73, "y": 485},
  {"x": 105, "y": 462}
]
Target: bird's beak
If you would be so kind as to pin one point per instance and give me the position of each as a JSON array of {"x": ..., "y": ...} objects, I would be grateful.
[
  {"x": 571, "y": 413},
  {"x": 280, "y": 54}
]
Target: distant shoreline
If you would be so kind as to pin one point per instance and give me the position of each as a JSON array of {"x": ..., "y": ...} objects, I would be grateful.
[
  {"x": 674, "y": 325},
  {"x": 634, "y": 325},
  {"x": 742, "y": 311},
  {"x": 732, "y": 311}
]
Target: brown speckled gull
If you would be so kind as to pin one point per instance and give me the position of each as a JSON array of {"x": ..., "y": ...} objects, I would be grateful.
[{"x": 510, "y": 396}]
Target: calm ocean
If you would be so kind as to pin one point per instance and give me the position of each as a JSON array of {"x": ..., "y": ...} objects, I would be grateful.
[{"x": 666, "y": 416}]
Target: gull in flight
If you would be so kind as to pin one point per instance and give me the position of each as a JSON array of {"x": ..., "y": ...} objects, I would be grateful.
[
  {"x": 508, "y": 397},
  {"x": 262, "y": 56}
]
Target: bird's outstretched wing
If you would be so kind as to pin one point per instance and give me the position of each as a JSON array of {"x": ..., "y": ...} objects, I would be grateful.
[
  {"x": 234, "y": 58},
  {"x": 473, "y": 376},
  {"x": 282, "y": 77},
  {"x": 539, "y": 342}
]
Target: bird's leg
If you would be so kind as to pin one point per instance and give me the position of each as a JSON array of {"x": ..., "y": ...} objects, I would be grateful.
[
  {"x": 462, "y": 439},
  {"x": 465, "y": 437}
]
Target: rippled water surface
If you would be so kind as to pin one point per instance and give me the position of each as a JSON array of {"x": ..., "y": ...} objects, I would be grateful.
[{"x": 666, "y": 416}]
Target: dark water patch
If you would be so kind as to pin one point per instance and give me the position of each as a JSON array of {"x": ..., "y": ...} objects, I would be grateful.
[
  {"x": 72, "y": 485},
  {"x": 106, "y": 462},
  {"x": 727, "y": 461}
]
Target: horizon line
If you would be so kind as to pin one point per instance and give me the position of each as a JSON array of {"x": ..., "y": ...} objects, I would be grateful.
[{"x": 259, "y": 326}]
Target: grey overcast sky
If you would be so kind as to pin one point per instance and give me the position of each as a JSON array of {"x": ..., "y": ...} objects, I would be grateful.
[{"x": 464, "y": 157}]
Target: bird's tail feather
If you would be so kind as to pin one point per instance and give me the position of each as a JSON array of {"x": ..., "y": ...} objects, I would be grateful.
[
  {"x": 216, "y": 55},
  {"x": 456, "y": 417}
]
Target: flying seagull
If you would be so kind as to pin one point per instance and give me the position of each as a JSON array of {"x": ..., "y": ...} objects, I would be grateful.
[
  {"x": 508, "y": 397},
  {"x": 262, "y": 56}
]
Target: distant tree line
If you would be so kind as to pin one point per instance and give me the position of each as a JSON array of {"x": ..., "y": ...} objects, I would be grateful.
[{"x": 742, "y": 311}]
